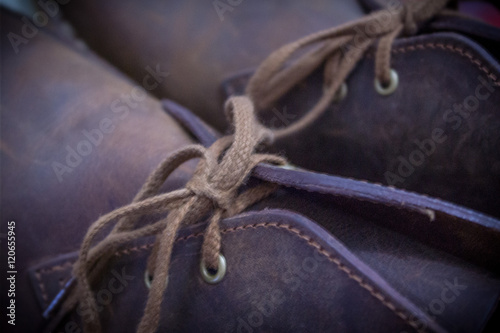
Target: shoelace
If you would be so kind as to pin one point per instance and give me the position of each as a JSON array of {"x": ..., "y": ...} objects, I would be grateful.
[
  {"x": 214, "y": 187},
  {"x": 224, "y": 167},
  {"x": 340, "y": 48}
]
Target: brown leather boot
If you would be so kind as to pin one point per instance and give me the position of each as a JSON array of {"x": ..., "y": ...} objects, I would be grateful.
[
  {"x": 312, "y": 252},
  {"x": 317, "y": 255},
  {"x": 435, "y": 131},
  {"x": 199, "y": 43},
  {"x": 78, "y": 139}
]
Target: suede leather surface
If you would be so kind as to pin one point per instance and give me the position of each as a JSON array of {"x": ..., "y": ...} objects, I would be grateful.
[
  {"x": 384, "y": 232},
  {"x": 298, "y": 278},
  {"x": 50, "y": 95},
  {"x": 378, "y": 265},
  {"x": 366, "y": 136},
  {"x": 421, "y": 274},
  {"x": 194, "y": 43},
  {"x": 396, "y": 223}
]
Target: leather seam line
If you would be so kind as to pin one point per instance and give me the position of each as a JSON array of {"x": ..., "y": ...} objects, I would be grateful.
[
  {"x": 451, "y": 48},
  {"x": 420, "y": 46},
  {"x": 310, "y": 241},
  {"x": 41, "y": 285},
  {"x": 332, "y": 258},
  {"x": 41, "y": 271}
]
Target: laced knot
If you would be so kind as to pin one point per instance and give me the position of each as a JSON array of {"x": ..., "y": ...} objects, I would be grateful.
[
  {"x": 340, "y": 49},
  {"x": 228, "y": 162},
  {"x": 214, "y": 190}
]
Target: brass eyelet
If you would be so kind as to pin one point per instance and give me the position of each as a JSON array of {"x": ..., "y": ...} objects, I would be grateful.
[
  {"x": 391, "y": 87},
  {"x": 218, "y": 276}
]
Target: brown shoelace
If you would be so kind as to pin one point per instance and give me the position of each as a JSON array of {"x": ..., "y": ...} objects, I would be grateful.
[
  {"x": 224, "y": 167},
  {"x": 214, "y": 187},
  {"x": 340, "y": 48}
]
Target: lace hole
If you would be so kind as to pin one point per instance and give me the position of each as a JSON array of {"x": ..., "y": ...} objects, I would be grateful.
[
  {"x": 391, "y": 87},
  {"x": 148, "y": 279},
  {"x": 216, "y": 277},
  {"x": 341, "y": 93}
]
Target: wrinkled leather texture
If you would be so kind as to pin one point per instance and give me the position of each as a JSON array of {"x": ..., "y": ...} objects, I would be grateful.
[
  {"x": 194, "y": 43},
  {"x": 50, "y": 95},
  {"x": 443, "y": 234},
  {"x": 366, "y": 135},
  {"x": 422, "y": 220},
  {"x": 385, "y": 236},
  {"x": 379, "y": 260},
  {"x": 465, "y": 23},
  {"x": 270, "y": 288}
]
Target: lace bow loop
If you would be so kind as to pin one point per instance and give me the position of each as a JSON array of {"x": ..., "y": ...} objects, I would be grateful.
[{"x": 215, "y": 186}]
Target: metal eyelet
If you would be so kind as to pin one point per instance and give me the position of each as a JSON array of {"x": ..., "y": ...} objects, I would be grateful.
[
  {"x": 148, "y": 279},
  {"x": 218, "y": 276},
  {"x": 341, "y": 93},
  {"x": 391, "y": 87}
]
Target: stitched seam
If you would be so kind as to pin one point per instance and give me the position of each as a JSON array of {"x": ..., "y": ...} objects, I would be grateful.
[
  {"x": 41, "y": 285},
  {"x": 59, "y": 267},
  {"x": 42, "y": 271},
  {"x": 451, "y": 48},
  {"x": 318, "y": 248},
  {"x": 310, "y": 241},
  {"x": 445, "y": 47},
  {"x": 134, "y": 249}
]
